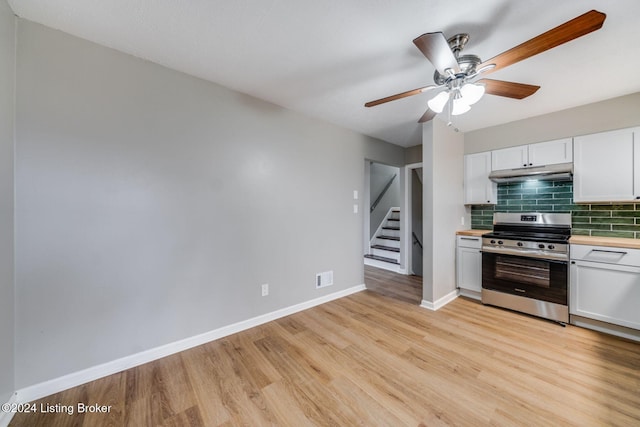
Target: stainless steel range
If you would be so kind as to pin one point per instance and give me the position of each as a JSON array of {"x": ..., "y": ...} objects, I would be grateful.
[{"x": 525, "y": 264}]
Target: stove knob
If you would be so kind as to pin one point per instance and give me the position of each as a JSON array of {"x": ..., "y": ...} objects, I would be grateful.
[
  {"x": 500, "y": 242},
  {"x": 541, "y": 246},
  {"x": 520, "y": 244},
  {"x": 551, "y": 247},
  {"x": 493, "y": 242}
]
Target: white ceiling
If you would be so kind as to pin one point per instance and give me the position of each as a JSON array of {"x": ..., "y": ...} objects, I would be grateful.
[{"x": 326, "y": 58}]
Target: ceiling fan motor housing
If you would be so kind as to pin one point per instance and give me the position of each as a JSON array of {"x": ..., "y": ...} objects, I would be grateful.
[{"x": 467, "y": 64}]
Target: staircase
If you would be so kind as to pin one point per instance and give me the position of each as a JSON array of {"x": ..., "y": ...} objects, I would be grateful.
[{"x": 385, "y": 245}]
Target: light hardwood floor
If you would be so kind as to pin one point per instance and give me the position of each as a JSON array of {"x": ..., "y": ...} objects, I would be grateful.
[{"x": 376, "y": 360}]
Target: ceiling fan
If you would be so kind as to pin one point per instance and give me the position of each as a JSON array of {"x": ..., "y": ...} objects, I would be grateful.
[{"x": 456, "y": 75}]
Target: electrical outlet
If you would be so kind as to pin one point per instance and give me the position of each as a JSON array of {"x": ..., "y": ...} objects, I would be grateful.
[{"x": 265, "y": 289}]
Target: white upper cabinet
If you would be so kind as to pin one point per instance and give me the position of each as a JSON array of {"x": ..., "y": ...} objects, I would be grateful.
[
  {"x": 532, "y": 155},
  {"x": 551, "y": 152},
  {"x": 510, "y": 158},
  {"x": 607, "y": 167},
  {"x": 478, "y": 189}
]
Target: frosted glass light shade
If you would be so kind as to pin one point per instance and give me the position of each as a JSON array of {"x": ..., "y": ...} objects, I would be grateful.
[
  {"x": 471, "y": 93},
  {"x": 460, "y": 106},
  {"x": 437, "y": 103}
]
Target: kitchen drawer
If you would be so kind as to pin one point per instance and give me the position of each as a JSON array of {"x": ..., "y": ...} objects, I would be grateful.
[
  {"x": 469, "y": 242},
  {"x": 605, "y": 254}
]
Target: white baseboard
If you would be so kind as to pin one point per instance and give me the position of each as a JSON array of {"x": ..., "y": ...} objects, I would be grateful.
[
  {"x": 74, "y": 379},
  {"x": 6, "y": 416},
  {"x": 433, "y": 306},
  {"x": 470, "y": 294}
]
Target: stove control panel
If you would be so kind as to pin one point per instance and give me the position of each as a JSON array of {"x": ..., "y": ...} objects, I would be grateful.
[{"x": 524, "y": 245}]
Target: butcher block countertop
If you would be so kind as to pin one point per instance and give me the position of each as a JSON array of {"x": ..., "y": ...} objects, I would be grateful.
[
  {"x": 614, "y": 242},
  {"x": 475, "y": 233}
]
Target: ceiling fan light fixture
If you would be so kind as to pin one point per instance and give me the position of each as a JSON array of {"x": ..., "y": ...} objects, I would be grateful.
[
  {"x": 437, "y": 103},
  {"x": 471, "y": 93}
]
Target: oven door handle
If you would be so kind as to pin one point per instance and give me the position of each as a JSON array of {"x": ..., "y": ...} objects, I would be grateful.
[{"x": 558, "y": 258}]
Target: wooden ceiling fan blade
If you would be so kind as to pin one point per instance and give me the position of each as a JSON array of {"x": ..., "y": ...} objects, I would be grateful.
[
  {"x": 570, "y": 30},
  {"x": 428, "y": 115},
  {"x": 436, "y": 48},
  {"x": 399, "y": 96},
  {"x": 508, "y": 89}
]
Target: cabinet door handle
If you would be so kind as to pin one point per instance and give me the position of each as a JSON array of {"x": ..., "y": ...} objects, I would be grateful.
[
  {"x": 610, "y": 252},
  {"x": 475, "y": 239}
]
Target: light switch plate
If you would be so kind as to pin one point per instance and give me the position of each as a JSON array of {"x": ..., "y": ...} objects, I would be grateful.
[{"x": 355, "y": 208}]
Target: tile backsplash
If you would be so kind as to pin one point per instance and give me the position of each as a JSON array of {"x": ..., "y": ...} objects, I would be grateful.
[{"x": 611, "y": 220}]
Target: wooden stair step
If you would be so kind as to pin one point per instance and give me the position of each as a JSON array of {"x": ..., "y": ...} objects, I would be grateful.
[
  {"x": 381, "y": 258},
  {"x": 385, "y": 248},
  {"x": 389, "y": 238},
  {"x": 391, "y": 228}
]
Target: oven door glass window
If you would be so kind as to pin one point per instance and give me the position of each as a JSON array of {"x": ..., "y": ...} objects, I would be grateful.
[
  {"x": 545, "y": 280},
  {"x": 523, "y": 270}
]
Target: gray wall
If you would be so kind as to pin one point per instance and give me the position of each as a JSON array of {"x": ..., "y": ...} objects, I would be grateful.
[
  {"x": 152, "y": 205},
  {"x": 413, "y": 154},
  {"x": 7, "y": 69},
  {"x": 615, "y": 113},
  {"x": 379, "y": 177},
  {"x": 443, "y": 153}
]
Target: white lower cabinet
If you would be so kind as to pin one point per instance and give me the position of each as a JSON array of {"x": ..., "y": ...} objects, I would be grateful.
[
  {"x": 469, "y": 265},
  {"x": 605, "y": 284}
]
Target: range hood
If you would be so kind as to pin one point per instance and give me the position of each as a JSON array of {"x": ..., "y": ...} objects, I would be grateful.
[{"x": 559, "y": 172}]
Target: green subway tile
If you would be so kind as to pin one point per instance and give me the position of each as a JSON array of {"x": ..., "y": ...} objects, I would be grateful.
[
  {"x": 612, "y": 220},
  {"x": 629, "y": 207},
  {"x": 578, "y": 232},
  {"x": 580, "y": 220},
  {"x": 511, "y": 185},
  {"x": 538, "y": 196},
  {"x": 524, "y": 191},
  {"x": 627, "y": 234},
  {"x": 575, "y": 207},
  {"x": 559, "y": 201},
  {"x": 595, "y": 226},
  {"x": 560, "y": 190},
  {"x": 619, "y": 227},
  {"x": 569, "y": 208},
  {"x": 593, "y": 213},
  {"x": 511, "y": 196},
  {"x": 544, "y": 208},
  {"x": 629, "y": 214}
]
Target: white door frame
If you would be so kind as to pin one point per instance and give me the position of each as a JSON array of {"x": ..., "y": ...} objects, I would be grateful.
[{"x": 407, "y": 219}]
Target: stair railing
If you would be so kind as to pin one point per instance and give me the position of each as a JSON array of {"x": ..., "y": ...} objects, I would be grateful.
[
  {"x": 382, "y": 193},
  {"x": 416, "y": 240}
]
